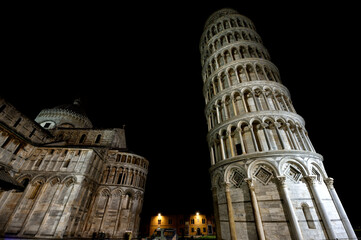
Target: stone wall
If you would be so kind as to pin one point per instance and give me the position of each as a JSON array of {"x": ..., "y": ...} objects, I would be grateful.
[{"x": 71, "y": 179}]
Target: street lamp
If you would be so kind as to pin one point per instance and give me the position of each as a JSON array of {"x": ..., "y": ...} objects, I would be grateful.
[{"x": 159, "y": 220}]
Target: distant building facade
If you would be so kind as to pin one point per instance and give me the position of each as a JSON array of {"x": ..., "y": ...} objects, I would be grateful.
[
  {"x": 186, "y": 225},
  {"x": 268, "y": 182},
  {"x": 77, "y": 180}
]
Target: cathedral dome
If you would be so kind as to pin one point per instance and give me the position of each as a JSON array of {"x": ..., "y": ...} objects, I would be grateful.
[{"x": 64, "y": 116}]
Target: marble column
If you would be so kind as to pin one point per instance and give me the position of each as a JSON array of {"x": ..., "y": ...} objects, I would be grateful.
[
  {"x": 312, "y": 181},
  {"x": 257, "y": 213},
  {"x": 341, "y": 211},
  {"x": 296, "y": 230},
  {"x": 232, "y": 225}
]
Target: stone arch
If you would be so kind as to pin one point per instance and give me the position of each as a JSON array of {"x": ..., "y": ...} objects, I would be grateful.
[
  {"x": 285, "y": 135},
  {"x": 220, "y": 112},
  {"x": 69, "y": 180},
  {"x": 117, "y": 192},
  {"x": 256, "y": 125},
  {"x": 275, "y": 139},
  {"x": 241, "y": 74},
  {"x": 308, "y": 215},
  {"x": 232, "y": 76},
  {"x": 138, "y": 194},
  {"x": 39, "y": 178},
  {"x": 261, "y": 101},
  {"x": 269, "y": 74},
  {"x": 243, "y": 52},
  {"x": 227, "y": 56},
  {"x": 260, "y": 72},
  {"x": 235, "y": 53},
  {"x": 238, "y": 102},
  {"x": 260, "y": 162},
  {"x": 246, "y": 133},
  {"x": 129, "y": 195},
  {"x": 217, "y": 147},
  {"x": 248, "y": 96},
  {"x": 218, "y": 179},
  {"x": 269, "y": 96},
  {"x": 237, "y": 36},
  {"x": 53, "y": 180},
  {"x": 314, "y": 168},
  {"x": 251, "y": 72},
  {"x": 226, "y": 143},
  {"x": 129, "y": 192},
  {"x": 215, "y": 83},
  {"x": 284, "y": 168},
  {"x": 228, "y": 109},
  {"x": 24, "y": 177},
  {"x": 235, "y": 174}
]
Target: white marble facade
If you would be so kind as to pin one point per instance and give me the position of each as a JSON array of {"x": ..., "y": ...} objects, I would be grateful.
[
  {"x": 268, "y": 181},
  {"x": 78, "y": 180}
]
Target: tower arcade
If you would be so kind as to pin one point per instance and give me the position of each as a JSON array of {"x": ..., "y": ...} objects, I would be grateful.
[{"x": 268, "y": 181}]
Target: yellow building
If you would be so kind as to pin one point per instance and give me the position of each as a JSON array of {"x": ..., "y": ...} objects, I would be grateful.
[{"x": 186, "y": 225}]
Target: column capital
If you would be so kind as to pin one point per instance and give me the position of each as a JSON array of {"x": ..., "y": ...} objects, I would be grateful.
[
  {"x": 277, "y": 124},
  {"x": 226, "y": 186},
  {"x": 281, "y": 180},
  {"x": 311, "y": 179},
  {"x": 250, "y": 183},
  {"x": 329, "y": 183},
  {"x": 264, "y": 125}
]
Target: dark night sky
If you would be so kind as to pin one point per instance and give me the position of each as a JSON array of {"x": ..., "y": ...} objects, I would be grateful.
[{"x": 139, "y": 65}]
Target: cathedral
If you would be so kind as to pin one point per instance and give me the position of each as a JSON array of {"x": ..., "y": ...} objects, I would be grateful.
[
  {"x": 268, "y": 182},
  {"x": 63, "y": 178}
]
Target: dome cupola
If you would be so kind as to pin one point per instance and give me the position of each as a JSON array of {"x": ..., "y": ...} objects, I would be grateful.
[{"x": 64, "y": 116}]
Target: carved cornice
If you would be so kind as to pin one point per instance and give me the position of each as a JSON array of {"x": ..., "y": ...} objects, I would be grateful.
[
  {"x": 246, "y": 85},
  {"x": 235, "y": 64},
  {"x": 275, "y": 154},
  {"x": 248, "y": 118},
  {"x": 235, "y": 44}
]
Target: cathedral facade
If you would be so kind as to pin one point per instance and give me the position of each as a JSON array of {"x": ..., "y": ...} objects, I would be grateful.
[
  {"x": 66, "y": 178},
  {"x": 268, "y": 182}
]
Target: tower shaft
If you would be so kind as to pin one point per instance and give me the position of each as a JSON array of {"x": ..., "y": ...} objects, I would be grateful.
[{"x": 268, "y": 181}]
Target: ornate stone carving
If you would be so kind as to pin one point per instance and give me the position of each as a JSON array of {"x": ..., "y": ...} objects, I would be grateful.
[
  {"x": 293, "y": 173},
  {"x": 236, "y": 178},
  {"x": 263, "y": 175}
]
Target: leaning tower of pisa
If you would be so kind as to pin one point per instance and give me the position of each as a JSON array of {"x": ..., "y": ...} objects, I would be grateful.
[{"x": 268, "y": 181}]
